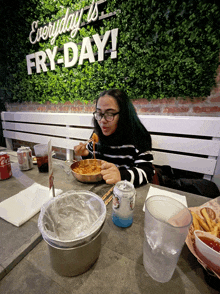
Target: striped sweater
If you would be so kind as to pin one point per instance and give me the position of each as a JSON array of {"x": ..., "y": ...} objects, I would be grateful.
[{"x": 134, "y": 166}]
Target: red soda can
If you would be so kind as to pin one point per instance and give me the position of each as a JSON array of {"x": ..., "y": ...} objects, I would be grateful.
[{"x": 5, "y": 166}]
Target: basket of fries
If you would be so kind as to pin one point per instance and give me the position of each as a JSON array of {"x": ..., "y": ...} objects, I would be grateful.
[
  {"x": 206, "y": 223},
  {"x": 87, "y": 170}
]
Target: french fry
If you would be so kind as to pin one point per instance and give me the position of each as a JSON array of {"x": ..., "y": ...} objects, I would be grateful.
[
  {"x": 207, "y": 218},
  {"x": 211, "y": 213},
  {"x": 215, "y": 231},
  {"x": 218, "y": 233},
  {"x": 202, "y": 223},
  {"x": 195, "y": 221},
  {"x": 207, "y": 223},
  {"x": 213, "y": 223}
]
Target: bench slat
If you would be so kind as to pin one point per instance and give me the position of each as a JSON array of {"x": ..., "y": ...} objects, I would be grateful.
[
  {"x": 198, "y": 126},
  {"x": 186, "y": 145},
  {"x": 61, "y": 131},
  {"x": 74, "y": 119},
  {"x": 188, "y": 163},
  {"x": 58, "y": 142}
]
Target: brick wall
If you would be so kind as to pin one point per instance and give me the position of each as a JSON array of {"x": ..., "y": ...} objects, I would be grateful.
[{"x": 208, "y": 106}]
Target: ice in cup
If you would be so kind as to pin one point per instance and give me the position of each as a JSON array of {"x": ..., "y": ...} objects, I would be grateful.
[
  {"x": 166, "y": 226},
  {"x": 41, "y": 153}
]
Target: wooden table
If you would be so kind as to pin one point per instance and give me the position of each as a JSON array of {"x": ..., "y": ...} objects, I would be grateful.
[{"x": 119, "y": 268}]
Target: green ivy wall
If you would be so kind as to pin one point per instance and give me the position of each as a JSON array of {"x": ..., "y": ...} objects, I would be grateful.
[{"x": 167, "y": 56}]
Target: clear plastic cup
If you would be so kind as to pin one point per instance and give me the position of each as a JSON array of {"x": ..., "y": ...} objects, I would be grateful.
[
  {"x": 41, "y": 153},
  {"x": 166, "y": 226}
]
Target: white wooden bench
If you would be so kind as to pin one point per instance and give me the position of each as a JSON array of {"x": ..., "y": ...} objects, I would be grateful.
[{"x": 183, "y": 142}]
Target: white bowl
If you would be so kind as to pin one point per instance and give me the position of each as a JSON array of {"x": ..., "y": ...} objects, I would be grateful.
[{"x": 208, "y": 255}]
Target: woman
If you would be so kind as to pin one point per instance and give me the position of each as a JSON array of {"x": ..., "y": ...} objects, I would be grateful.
[{"x": 124, "y": 143}]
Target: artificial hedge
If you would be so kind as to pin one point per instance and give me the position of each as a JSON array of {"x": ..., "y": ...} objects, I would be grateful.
[{"x": 166, "y": 48}]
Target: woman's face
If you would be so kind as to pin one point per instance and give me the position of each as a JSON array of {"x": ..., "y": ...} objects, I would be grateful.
[{"x": 108, "y": 104}]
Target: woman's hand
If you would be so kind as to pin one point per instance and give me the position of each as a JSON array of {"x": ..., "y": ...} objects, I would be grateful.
[
  {"x": 110, "y": 173},
  {"x": 80, "y": 150}
]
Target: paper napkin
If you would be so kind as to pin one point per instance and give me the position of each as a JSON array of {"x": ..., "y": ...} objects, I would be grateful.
[
  {"x": 161, "y": 192},
  {"x": 21, "y": 207}
]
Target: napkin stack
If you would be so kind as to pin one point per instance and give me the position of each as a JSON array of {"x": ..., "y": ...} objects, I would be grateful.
[
  {"x": 161, "y": 192},
  {"x": 21, "y": 207}
]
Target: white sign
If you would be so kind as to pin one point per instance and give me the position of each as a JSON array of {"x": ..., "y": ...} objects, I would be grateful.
[
  {"x": 71, "y": 22},
  {"x": 38, "y": 59}
]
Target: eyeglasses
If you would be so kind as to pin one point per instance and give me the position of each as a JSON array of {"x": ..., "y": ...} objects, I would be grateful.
[{"x": 108, "y": 116}]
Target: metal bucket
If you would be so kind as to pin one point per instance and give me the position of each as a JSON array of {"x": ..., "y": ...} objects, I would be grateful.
[
  {"x": 66, "y": 220},
  {"x": 77, "y": 260}
]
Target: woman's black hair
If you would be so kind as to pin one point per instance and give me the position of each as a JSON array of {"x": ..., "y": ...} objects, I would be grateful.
[{"x": 130, "y": 130}]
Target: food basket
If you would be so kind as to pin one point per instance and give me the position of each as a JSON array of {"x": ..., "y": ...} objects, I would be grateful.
[
  {"x": 90, "y": 178},
  {"x": 214, "y": 206}
]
